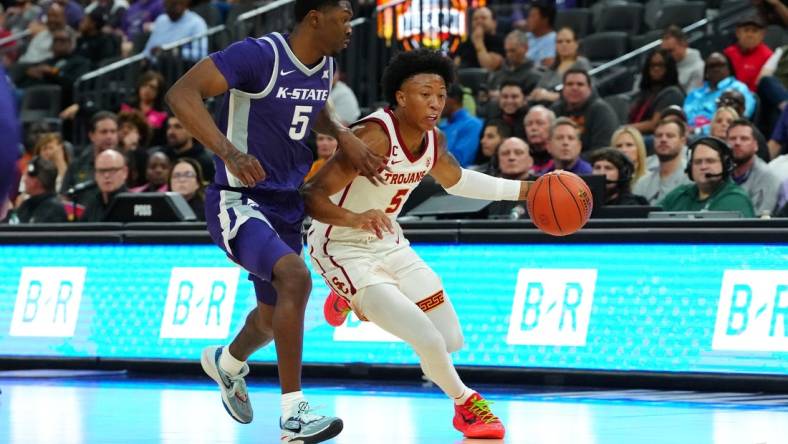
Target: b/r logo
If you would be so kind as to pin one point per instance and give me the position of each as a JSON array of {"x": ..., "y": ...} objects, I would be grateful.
[
  {"x": 753, "y": 311},
  {"x": 552, "y": 306},
  {"x": 47, "y": 301}
]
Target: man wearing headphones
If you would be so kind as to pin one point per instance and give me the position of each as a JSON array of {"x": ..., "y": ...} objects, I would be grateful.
[
  {"x": 618, "y": 170},
  {"x": 709, "y": 167}
]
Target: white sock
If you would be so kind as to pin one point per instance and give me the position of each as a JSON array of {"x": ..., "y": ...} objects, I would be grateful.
[
  {"x": 228, "y": 363},
  {"x": 466, "y": 393},
  {"x": 290, "y": 403}
]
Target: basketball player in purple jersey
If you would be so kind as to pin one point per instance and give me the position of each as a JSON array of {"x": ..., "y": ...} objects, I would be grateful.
[
  {"x": 278, "y": 91},
  {"x": 9, "y": 143}
]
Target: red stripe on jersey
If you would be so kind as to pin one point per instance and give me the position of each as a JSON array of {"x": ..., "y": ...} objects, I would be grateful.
[
  {"x": 435, "y": 146},
  {"x": 312, "y": 255},
  {"x": 408, "y": 154}
]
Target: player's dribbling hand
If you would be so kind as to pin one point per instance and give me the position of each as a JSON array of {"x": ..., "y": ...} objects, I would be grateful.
[
  {"x": 374, "y": 221},
  {"x": 368, "y": 163},
  {"x": 245, "y": 167}
]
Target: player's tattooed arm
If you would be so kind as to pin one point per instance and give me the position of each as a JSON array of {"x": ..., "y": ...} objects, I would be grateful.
[
  {"x": 451, "y": 176},
  {"x": 185, "y": 99},
  {"x": 337, "y": 174},
  {"x": 368, "y": 163}
]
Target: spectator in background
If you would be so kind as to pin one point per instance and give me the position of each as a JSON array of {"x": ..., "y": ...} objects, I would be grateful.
[
  {"x": 670, "y": 140},
  {"x": 110, "y": 176},
  {"x": 62, "y": 69},
  {"x": 618, "y": 171},
  {"x": 51, "y": 148},
  {"x": 537, "y": 124},
  {"x": 659, "y": 88},
  {"x": 712, "y": 190},
  {"x": 40, "y": 46},
  {"x": 484, "y": 47},
  {"x": 187, "y": 180},
  {"x": 778, "y": 143},
  {"x": 565, "y": 147},
  {"x": 773, "y": 12},
  {"x": 688, "y": 60},
  {"x": 517, "y": 67},
  {"x": 541, "y": 38},
  {"x": 42, "y": 204},
  {"x": 113, "y": 12},
  {"x": 178, "y": 22},
  {"x": 103, "y": 135},
  {"x": 149, "y": 98},
  {"x": 157, "y": 172},
  {"x": 773, "y": 85},
  {"x": 700, "y": 103},
  {"x": 140, "y": 16},
  {"x": 180, "y": 144},
  {"x": 344, "y": 100},
  {"x": 461, "y": 129},
  {"x": 595, "y": 119},
  {"x": 512, "y": 162},
  {"x": 326, "y": 147},
  {"x": 72, "y": 8},
  {"x": 629, "y": 142},
  {"x": 749, "y": 53},
  {"x": 134, "y": 137},
  {"x": 93, "y": 44},
  {"x": 494, "y": 133},
  {"x": 723, "y": 117},
  {"x": 19, "y": 17},
  {"x": 751, "y": 172},
  {"x": 513, "y": 159},
  {"x": 512, "y": 107},
  {"x": 567, "y": 58}
]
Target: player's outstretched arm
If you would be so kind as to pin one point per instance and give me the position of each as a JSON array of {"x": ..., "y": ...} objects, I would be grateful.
[
  {"x": 366, "y": 161},
  {"x": 473, "y": 184},
  {"x": 185, "y": 99},
  {"x": 333, "y": 177}
]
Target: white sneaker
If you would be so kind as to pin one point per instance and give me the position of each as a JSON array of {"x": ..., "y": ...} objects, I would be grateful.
[
  {"x": 306, "y": 428},
  {"x": 235, "y": 396}
]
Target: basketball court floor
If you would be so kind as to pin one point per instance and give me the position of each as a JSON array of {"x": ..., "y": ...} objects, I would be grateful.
[{"x": 117, "y": 408}]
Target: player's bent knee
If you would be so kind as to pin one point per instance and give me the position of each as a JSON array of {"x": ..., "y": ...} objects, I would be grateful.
[
  {"x": 292, "y": 279},
  {"x": 454, "y": 341}
]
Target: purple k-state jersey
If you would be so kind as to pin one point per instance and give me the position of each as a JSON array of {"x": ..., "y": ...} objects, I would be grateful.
[{"x": 270, "y": 108}]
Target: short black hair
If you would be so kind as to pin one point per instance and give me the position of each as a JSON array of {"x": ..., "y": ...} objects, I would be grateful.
[
  {"x": 302, "y": 7},
  {"x": 510, "y": 82},
  {"x": 408, "y": 64},
  {"x": 582, "y": 71},
  {"x": 45, "y": 171},
  {"x": 546, "y": 9},
  {"x": 454, "y": 91},
  {"x": 99, "y": 116},
  {"x": 742, "y": 122}
]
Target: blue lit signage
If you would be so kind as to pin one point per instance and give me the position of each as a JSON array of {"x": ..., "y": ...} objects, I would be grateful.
[{"x": 706, "y": 308}]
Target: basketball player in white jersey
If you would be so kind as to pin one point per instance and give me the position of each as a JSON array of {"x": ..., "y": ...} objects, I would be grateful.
[{"x": 357, "y": 245}]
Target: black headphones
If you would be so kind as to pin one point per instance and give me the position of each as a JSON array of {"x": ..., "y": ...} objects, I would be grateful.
[
  {"x": 718, "y": 145},
  {"x": 626, "y": 169}
]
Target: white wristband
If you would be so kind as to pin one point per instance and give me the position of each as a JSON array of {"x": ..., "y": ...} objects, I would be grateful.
[{"x": 476, "y": 185}]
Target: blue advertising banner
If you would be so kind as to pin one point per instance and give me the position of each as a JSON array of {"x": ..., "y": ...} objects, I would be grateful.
[{"x": 649, "y": 307}]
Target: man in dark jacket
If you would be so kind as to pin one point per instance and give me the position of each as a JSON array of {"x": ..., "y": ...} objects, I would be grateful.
[
  {"x": 579, "y": 102},
  {"x": 111, "y": 173},
  {"x": 43, "y": 205}
]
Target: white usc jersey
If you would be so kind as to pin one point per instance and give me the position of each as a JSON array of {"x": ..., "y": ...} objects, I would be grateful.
[{"x": 405, "y": 172}]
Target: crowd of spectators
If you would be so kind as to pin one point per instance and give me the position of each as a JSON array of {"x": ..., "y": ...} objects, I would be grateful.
[{"x": 537, "y": 110}]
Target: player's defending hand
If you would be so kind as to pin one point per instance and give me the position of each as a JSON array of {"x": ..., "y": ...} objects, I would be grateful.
[
  {"x": 374, "y": 221},
  {"x": 245, "y": 167},
  {"x": 368, "y": 163}
]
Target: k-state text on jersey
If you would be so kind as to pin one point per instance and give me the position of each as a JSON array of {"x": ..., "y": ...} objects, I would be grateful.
[{"x": 302, "y": 93}]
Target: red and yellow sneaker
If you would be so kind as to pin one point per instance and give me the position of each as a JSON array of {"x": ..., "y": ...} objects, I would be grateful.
[
  {"x": 475, "y": 419},
  {"x": 336, "y": 309}
]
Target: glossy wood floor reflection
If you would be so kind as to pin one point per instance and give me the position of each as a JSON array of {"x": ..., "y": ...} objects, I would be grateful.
[{"x": 96, "y": 408}]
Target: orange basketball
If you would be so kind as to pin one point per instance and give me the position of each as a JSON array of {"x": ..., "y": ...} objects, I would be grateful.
[{"x": 560, "y": 203}]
